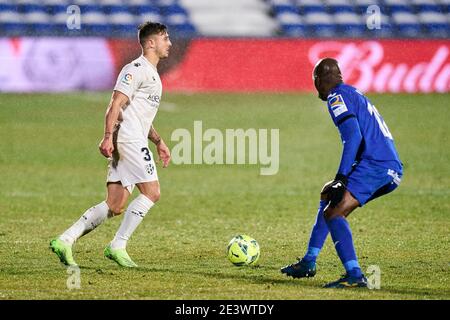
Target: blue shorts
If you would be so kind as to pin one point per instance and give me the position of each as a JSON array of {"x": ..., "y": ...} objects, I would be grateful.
[{"x": 368, "y": 181}]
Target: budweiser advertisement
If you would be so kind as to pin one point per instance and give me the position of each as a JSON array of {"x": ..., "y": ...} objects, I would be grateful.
[
  {"x": 286, "y": 65},
  {"x": 226, "y": 65}
]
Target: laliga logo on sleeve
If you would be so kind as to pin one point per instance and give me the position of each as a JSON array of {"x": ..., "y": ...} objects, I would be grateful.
[
  {"x": 127, "y": 79},
  {"x": 337, "y": 105}
]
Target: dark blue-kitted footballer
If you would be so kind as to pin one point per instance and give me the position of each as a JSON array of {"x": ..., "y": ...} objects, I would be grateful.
[{"x": 370, "y": 167}]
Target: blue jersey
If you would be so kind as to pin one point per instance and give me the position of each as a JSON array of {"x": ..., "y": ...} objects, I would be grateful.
[{"x": 364, "y": 133}]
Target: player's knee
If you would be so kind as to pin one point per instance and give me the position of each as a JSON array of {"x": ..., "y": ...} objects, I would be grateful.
[
  {"x": 154, "y": 195},
  {"x": 331, "y": 213}
]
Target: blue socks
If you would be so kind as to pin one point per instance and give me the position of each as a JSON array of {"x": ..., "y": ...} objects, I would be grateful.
[
  {"x": 342, "y": 238},
  {"x": 318, "y": 235},
  {"x": 343, "y": 241}
]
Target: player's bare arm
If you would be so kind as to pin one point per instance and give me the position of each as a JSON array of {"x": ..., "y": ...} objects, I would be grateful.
[
  {"x": 118, "y": 100},
  {"x": 161, "y": 147}
]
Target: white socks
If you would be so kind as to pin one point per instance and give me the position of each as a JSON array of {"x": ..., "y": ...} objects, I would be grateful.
[
  {"x": 136, "y": 211},
  {"x": 92, "y": 218}
]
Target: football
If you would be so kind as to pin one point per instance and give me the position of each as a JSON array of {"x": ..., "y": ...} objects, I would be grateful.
[{"x": 243, "y": 250}]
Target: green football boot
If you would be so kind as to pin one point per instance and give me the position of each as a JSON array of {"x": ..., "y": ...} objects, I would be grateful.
[
  {"x": 63, "y": 251},
  {"x": 120, "y": 256}
]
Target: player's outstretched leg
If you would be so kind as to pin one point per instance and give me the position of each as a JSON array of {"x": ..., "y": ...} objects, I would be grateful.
[
  {"x": 64, "y": 252},
  {"x": 92, "y": 218},
  {"x": 306, "y": 267}
]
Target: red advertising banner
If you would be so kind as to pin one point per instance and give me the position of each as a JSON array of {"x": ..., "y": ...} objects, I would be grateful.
[
  {"x": 244, "y": 65},
  {"x": 227, "y": 65}
]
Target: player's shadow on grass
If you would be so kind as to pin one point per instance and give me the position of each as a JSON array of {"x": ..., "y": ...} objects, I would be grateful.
[{"x": 254, "y": 278}]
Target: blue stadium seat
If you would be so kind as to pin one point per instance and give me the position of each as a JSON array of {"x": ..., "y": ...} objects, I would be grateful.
[
  {"x": 149, "y": 17},
  {"x": 288, "y": 18},
  {"x": 350, "y": 24},
  {"x": 57, "y": 8},
  {"x": 124, "y": 30},
  {"x": 291, "y": 24},
  {"x": 14, "y": 28},
  {"x": 395, "y": 8},
  {"x": 277, "y": 9},
  {"x": 407, "y": 24},
  {"x": 307, "y": 9},
  {"x": 185, "y": 29},
  {"x": 57, "y": 2},
  {"x": 341, "y": 9},
  {"x": 27, "y": 8},
  {"x": 177, "y": 19},
  {"x": 112, "y": 9},
  {"x": 294, "y": 30},
  {"x": 435, "y": 24},
  {"x": 88, "y": 8},
  {"x": 98, "y": 30},
  {"x": 320, "y": 24},
  {"x": 161, "y": 3},
  {"x": 428, "y": 7},
  {"x": 96, "y": 24},
  {"x": 173, "y": 9},
  {"x": 11, "y": 22},
  {"x": 340, "y": 6},
  {"x": 445, "y": 5},
  {"x": 310, "y": 6},
  {"x": 38, "y": 20},
  {"x": 46, "y": 29},
  {"x": 9, "y": 7},
  {"x": 144, "y": 9}
]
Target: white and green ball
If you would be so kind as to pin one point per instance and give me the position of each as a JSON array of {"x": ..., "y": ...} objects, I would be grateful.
[{"x": 243, "y": 250}]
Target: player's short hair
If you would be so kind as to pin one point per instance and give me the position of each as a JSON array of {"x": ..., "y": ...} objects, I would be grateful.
[{"x": 150, "y": 28}]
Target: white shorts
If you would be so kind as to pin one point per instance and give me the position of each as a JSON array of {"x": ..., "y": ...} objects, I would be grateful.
[{"x": 135, "y": 165}]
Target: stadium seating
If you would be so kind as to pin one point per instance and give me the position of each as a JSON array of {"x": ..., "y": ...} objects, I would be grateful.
[
  {"x": 259, "y": 18},
  {"x": 352, "y": 18}
]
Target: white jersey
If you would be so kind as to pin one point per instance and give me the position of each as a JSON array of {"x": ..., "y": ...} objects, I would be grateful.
[{"x": 139, "y": 80}]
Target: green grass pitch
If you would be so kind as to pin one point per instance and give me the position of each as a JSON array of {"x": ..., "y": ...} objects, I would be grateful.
[{"x": 51, "y": 171}]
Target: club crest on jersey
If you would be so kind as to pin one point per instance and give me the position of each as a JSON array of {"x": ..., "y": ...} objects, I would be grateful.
[
  {"x": 337, "y": 105},
  {"x": 127, "y": 78}
]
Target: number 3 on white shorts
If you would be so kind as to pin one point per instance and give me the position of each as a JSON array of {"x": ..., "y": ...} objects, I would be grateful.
[{"x": 147, "y": 154}]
